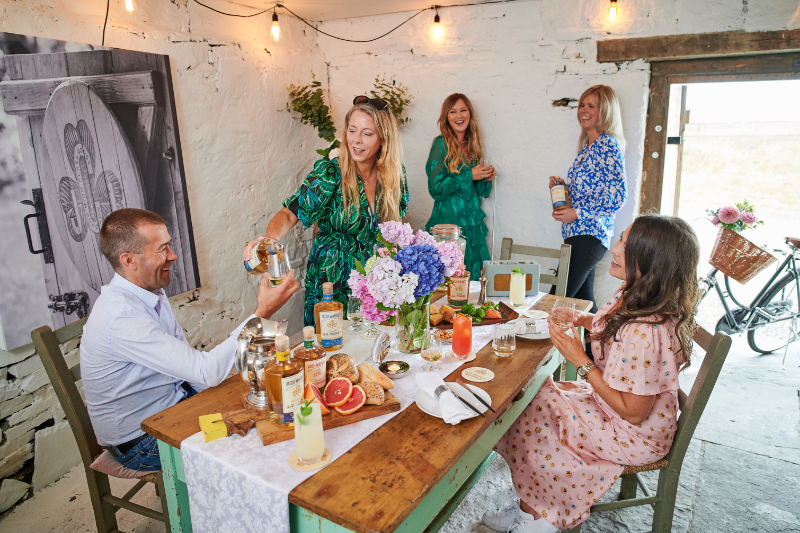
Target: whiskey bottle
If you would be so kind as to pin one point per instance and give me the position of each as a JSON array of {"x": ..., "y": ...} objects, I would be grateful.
[
  {"x": 559, "y": 195},
  {"x": 328, "y": 315},
  {"x": 259, "y": 256},
  {"x": 284, "y": 384},
  {"x": 313, "y": 358}
]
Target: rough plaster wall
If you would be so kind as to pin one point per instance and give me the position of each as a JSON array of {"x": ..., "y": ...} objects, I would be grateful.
[
  {"x": 513, "y": 60},
  {"x": 241, "y": 154}
]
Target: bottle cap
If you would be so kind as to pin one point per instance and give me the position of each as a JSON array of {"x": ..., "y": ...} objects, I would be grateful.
[
  {"x": 308, "y": 332},
  {"x": 281, "y": 343},
  {"x": 327, "y": 288}
]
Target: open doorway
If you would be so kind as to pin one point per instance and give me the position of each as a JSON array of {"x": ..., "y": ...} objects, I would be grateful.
[{"x": 727, "y": 142}]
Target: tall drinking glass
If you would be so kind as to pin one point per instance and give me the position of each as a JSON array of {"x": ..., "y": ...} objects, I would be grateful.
[
  {"x": 462, "y": 336},
  {"x": 563, "y": 314},
  {"x": 516, "y": 289},
  {"x": 354, "y": 313},
  {"x": 308, "y": 437}
]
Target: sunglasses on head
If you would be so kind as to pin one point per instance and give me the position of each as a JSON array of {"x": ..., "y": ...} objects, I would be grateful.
[{"x": 377, "y": 103}]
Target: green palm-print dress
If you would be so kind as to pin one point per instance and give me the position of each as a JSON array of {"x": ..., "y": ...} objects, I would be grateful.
[
  {"x": 343, "y": 236},
  {"x": 457, "y": 200}
]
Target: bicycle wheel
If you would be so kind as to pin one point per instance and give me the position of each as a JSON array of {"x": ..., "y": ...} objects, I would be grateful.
[{"x": 784, "y": 304}]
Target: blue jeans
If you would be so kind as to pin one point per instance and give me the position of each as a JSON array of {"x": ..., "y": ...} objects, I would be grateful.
[{"x": 144, "y": 455}]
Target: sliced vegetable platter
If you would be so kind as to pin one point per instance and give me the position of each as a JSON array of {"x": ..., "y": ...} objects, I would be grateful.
[{"x": 481, "y": 315}]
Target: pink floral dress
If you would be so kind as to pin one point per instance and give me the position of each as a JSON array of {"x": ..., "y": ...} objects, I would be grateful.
[{"x": 569, "y": 446}]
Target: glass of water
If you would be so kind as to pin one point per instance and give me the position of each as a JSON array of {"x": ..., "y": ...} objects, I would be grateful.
[
  {"x": 354, "y": 313},
  {"x": 505, "y": 340}
]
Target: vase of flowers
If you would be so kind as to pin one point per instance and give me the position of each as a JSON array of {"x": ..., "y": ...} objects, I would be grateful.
[
  {"x": 397, "y": 282},
  {"x": 732, "y": 254}
]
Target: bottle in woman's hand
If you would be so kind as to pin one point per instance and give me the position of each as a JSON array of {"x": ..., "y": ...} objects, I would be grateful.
[{"x": 559, "y": 195}]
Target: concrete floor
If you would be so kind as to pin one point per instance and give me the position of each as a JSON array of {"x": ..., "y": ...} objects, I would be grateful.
[{"x": 742, "y": 472}]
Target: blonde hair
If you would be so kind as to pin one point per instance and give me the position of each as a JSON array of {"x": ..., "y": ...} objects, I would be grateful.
[
  {"x": 389, "y": 163},
  {"x": 610, "y": 118},
  {"x": 472, "y": 150}
]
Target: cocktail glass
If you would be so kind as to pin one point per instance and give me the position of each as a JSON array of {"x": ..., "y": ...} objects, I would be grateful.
[
  {"x": 354, "y": 313},
  {"x": 431, "y": 353},
  {"x": 308, "y": 437},
  {"x": 516, "y": 290},
  {"x": 462, "y": 336},
  {"x": 563, "y": 314}
]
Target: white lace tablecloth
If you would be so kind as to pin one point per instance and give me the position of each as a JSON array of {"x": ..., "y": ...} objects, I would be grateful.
[{"x": 237, "y": 484}]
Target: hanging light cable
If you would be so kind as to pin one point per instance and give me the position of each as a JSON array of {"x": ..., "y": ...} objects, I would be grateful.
[
  {"x": 438, "y": 31},
  {"x": 612, "y": 11},
  {"x": 276, "y": 28}
]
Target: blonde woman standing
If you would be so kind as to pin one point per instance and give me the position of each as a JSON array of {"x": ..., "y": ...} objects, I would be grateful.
[
  {"x": 348, "y": 197},
  {"x": 456, "y": 179},
  {"x": 597, "y": 188}
]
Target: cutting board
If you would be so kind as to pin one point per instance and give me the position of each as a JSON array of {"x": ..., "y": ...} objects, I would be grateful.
[
  {"x": 271, "y": 433},
  {"x": 505, "y": 311}
]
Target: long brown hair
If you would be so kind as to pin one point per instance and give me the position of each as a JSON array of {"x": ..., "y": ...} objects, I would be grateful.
[
  {"x": 472, "y": 149},
  {"x": 389, "y": 163},
  {"x": 661, "y": 257},
  {"x": 609, "y": 119}
]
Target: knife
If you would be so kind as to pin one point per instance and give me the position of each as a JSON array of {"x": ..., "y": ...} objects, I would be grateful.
[
  {"x": 465, "y": 402},
  {"x": 463, "y": 384}
]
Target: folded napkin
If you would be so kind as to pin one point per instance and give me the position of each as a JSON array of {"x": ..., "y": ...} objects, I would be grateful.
[
  {"x": 453, "y": 411},
  {"x": 528, "y": 325}
]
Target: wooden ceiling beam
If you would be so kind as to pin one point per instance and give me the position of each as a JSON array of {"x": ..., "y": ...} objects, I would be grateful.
[{"x": 721, "y": 44}]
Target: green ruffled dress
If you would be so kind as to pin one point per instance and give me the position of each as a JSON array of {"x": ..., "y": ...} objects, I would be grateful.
[
  {"x": 343, "y": 236},
  {"x": 457, "y": 200}
]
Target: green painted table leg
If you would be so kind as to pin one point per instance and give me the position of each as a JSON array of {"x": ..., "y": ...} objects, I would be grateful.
[{"x": 175, "y": 487}]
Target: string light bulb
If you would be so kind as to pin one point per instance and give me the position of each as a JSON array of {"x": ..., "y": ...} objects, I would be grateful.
[
  {"x": 612, "y": 11},
  {"x": 130, "y": 6},
  {"x": 438, "y": 31},
  {"x": 275, "y": 31}
]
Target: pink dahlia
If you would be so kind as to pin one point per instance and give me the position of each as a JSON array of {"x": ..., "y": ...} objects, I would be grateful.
[
  {"x": 715, "y": 220},
  {"x": 749, "y": 218},
  {"x": 728, "y": 214}
]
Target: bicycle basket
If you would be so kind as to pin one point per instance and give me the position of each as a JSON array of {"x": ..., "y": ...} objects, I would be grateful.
[{"x": 737, "y": 257}]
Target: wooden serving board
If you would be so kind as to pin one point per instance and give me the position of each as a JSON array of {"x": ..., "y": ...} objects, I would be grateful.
[
  {"x": 505, "y": 310},
  {"x": 271, "y": 433}
]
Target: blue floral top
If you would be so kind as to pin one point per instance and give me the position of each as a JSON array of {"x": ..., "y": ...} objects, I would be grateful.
[{"x": 597, "y": 189}]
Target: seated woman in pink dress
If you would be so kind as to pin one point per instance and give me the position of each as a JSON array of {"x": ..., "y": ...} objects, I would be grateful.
[{"x": 572, "y": 442}]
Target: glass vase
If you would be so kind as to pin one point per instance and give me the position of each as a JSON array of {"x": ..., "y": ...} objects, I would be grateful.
[{"x": 412, "y": 325}]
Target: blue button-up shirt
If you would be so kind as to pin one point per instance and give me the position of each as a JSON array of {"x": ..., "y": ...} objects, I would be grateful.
[{"x": 134, "y": 358}]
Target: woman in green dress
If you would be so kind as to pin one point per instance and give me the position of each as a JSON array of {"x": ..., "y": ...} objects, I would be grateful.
[
  {"x": 456, "y": 179},
  {"x": 348, "y": 197}
]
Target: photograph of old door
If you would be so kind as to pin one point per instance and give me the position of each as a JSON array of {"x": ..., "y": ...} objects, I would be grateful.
[{"x": 97, "y": 131}]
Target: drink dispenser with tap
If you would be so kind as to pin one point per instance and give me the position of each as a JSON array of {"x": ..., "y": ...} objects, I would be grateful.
[{"x": 255, "y": 350}]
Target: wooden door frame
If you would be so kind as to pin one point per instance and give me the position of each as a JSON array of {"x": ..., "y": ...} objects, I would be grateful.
[{"x": 712, "y": 57}]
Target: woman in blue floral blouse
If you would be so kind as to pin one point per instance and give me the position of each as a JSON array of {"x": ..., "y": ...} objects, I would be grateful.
[{"x": 597, "y": 188}]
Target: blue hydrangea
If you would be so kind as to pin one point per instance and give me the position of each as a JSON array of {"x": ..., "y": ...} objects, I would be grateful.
[{"x": 422, "y": 260}]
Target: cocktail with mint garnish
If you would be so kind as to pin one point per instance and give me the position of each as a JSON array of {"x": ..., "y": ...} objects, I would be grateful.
[{"x": 516, "y": 292}]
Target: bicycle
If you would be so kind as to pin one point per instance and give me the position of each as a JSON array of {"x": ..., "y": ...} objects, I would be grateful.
[{"x": 771, "y": 318}]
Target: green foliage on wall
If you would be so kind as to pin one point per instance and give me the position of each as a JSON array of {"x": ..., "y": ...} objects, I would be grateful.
[{"x": 396, "y": 94}]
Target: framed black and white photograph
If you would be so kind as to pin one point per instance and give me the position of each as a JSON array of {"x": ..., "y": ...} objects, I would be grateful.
[{"x": 84, "y": 131}]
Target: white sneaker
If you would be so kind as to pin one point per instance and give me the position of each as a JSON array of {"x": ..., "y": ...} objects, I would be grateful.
[
  {"x": 526, "y": 524},
  {"x": 503, "y": 518}
]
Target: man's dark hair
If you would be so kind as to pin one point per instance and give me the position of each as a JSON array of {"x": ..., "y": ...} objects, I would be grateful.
[{"x": 120, "y": 232}]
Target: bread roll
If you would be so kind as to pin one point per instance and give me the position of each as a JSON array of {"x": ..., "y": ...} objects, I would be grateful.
[
  {"x": 374, "y": 393},
  {"x": 368, "y": 373},
  {"x": 341, "y": 365}
]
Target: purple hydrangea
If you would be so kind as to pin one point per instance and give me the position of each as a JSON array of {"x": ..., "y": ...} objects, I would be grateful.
[
  {"x": 451, "y": 256},
  {"x": 422, "y": 260},
  {"x": 423, "y": 237},
  {"x": 397, "y": 232}
]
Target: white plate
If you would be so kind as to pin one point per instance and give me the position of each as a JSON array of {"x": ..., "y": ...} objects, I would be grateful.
[
  {"x": 535, "y": 336},
  {"x": 430, "y": 405}
]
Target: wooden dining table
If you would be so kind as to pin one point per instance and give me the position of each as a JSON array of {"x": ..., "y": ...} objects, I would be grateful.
[{"x": 407, "y": 476}]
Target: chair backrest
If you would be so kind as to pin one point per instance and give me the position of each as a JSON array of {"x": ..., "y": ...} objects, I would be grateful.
[
  {"x": 562, "y": 254},
  {"x": 693, "y": 405},
  {"x": 63, "y": 378}
]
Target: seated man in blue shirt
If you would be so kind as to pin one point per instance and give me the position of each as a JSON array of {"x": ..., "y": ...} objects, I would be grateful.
[{"x": 135, "y": 360}]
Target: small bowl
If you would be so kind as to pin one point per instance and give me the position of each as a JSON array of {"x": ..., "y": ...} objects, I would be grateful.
[{"x": 394, "y": 374}]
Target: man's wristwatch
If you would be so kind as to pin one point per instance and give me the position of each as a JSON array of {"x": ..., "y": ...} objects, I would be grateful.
[{"x": 584, "y": 369}]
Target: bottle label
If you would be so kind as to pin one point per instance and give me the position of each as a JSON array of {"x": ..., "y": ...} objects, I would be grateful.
[
  {"x": 330, "y": 326},
  {"x": 315, "y": 372},
  {"x": 558, "y": 194},
  {"x": 459, "y": 290},
  {"x": 308, "y": 344},
  {"x": 254, "y": 259},
  {"x": 282, "y": 356},
  {"x": 292, "y": 388}
]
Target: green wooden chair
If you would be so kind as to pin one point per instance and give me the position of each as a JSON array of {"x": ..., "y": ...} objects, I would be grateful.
[
  {"x": 63, "y": 378},
  {"x": 560, "y": 279},
  {"x": 691, "y": 409}
]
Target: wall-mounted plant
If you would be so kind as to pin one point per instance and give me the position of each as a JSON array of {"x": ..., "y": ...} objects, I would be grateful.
[
  {"x": 309, "y": 102},
  {"x": 396, "y": 94}
]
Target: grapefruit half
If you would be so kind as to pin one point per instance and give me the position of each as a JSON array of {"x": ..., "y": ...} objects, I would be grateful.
[
  {"x": 313, "y": 393},
  {"x": 354, "y": 403},
  {"x": 338, "y": 391}
]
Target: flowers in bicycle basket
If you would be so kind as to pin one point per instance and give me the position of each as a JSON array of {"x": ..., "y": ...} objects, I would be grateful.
[{"x": 736, "y": 218}]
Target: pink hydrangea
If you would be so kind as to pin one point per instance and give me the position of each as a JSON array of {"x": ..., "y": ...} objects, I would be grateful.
[
  {"x": 728, "y": 214},
  {"x": 749, "y": 218},
  {"x": 369, "y": 306},
  {"x": 715, "y": 220},
  {"x": 460, "y": 270},
  {"x": 451, "y": 256},
  {"x": 396, "y": 232},
  {"x": 423, "y": 237}
]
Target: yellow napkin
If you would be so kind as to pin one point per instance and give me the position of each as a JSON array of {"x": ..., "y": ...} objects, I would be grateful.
[{"x": 213, "y": 427}]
